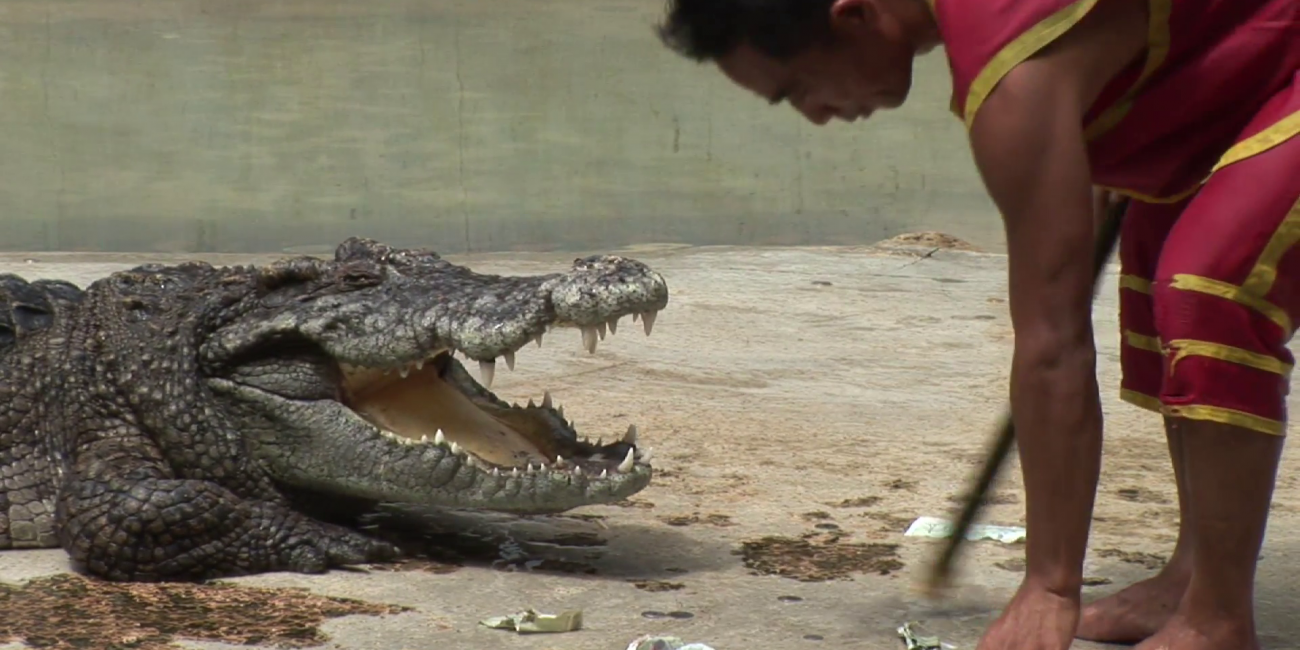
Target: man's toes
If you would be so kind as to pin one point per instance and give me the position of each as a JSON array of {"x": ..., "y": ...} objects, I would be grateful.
[{"x": 1120, "y": 620}]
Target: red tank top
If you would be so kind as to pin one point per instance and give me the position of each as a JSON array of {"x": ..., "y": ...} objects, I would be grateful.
[{"x": 1220, "y": 81}]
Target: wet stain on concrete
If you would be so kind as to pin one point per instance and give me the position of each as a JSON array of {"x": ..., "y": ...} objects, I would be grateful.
[
  {"x": 1144, "y": 560},
  {"x": 995, "y": 499},
  {"x": 817, "y": 557},
  {"x": 68, "y": 611},
  {"x": 856, "y": 502},
  {"x": 657, "y": 585},
  {"x": 714, "y": 519}
]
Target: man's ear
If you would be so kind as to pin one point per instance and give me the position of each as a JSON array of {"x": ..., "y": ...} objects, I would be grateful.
[{"x": 853, "y": 14}]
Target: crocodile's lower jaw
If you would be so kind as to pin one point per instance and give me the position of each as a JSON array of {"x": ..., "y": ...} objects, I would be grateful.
[{"x": 424, "y": 403}]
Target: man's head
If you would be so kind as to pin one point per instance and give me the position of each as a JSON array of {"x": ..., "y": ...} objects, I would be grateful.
[{"x": 829, "y": 58}]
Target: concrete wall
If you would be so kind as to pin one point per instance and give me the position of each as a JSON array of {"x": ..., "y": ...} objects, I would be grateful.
[{"x": 269, "y": 125}]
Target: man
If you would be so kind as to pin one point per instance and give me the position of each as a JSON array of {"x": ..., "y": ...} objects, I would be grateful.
[{"x": 1190, "y": 108}]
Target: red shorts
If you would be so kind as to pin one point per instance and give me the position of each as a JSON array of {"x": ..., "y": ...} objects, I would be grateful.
[{"x": 1210, "y": 291}]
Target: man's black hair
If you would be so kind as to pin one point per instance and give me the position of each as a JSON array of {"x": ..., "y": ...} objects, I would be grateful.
[{"x": 705, "y": 30}]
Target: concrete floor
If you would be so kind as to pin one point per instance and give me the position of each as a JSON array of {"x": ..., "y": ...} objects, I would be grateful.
[{"x": 779, "y": 381}]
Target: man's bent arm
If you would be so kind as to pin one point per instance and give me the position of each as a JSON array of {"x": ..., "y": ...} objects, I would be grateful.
[{"x": 1029, "y": 147}]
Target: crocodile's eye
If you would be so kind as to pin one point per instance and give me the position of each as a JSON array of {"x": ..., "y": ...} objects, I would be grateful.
[
  {"x": 31, "y": 317},
  {"x": 360, "y": 275},
  {"x": 361, "y": 279}
]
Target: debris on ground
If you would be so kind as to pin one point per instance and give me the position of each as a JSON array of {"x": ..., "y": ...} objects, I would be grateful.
[
  {"x": 856, "y": 502},
  {"x": 817, "y": 557},
  {"x": 531, "y": 621},
  {"x": 942, "y": 528},
  {"x": 651, "y": 642},
  {"x": 929, "y": 239},
  {"x": 916, "y": 642},
  {"x": 68, "y": 611}
]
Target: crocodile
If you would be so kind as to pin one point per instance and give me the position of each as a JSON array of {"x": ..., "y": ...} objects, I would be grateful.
[{"x": 172, "y": 422}]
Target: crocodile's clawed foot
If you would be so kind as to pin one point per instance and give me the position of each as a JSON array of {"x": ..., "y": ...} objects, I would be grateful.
[{"x": 334, "y": 547}]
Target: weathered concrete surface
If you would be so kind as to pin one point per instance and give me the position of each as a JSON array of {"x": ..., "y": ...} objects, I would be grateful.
[
  {"x": 241, "y": 125},
  {"x": 778, "y": 381}
]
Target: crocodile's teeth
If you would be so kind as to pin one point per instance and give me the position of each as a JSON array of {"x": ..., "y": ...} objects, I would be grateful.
[
  {"x": 424, "y": 438},
  {"x": 439, "y": 438},
  {"x": 487, "y": 370},
  {"x": 514, "y": 471},
  {"x": 613, "y": 325},
  {"x": 648, "y": 322},
  {"x": 531, "y": 469},
  {"x": 636, "y": 316},
  {"x": 561, "y": 412},
  {"x": 630, "y": 436},
  {"x": 531, "y": 403},
  {"x": 455, "y": 448},
  {"x": 419, "y": 365},
  {"x": 600, "y": 329},
  {"x": 600, "y": 442},
  {"x": 577, "y": 471},
  {"x": 645, "y": 456},
  {"x": 604, "y": 473},
  {"x": 559, "y": 462},
  {"x": 496, "y": 472},
  {"x": 405, "y": 371},
  {"x": 538, "y": 338},
  {"x": 546, "y": 400},
  {"x": 626, "y": 465},
  {"x": 589, "y": 339},
  {"x": 510, "y": 360}
]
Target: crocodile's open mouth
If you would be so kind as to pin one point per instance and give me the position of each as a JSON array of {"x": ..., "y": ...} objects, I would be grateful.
[{"x": 437, "y": 402}]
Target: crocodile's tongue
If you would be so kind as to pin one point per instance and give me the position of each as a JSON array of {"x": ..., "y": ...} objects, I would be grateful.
[{"x": 421, "y": 404}]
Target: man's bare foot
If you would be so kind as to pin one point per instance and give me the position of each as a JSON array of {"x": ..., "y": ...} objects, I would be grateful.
[
  {"x": 1182, "y": 634},
  {"x": 1034, "y": 620},
  {"x": 1135, "y": 613}
]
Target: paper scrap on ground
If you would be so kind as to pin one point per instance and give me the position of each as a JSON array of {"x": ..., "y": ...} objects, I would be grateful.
[
  {"x": 915, "y": 642},
  {"x": 530, "y": 621},
  {"x": 651, "y": 642},
  {"x": 935, "y": 527}
]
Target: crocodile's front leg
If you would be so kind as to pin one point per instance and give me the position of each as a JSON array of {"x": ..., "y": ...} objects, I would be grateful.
[{"x": 146, "y": 528}]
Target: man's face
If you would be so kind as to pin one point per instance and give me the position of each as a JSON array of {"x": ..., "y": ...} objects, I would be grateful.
[{"x": 864, "y": 65}]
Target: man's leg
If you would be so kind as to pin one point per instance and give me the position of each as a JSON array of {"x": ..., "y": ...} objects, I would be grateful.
[
  {"x": 1226, "y": 296},
  {"x": 1232, "y": 471},
  {"x": 1138, "y": 611}
]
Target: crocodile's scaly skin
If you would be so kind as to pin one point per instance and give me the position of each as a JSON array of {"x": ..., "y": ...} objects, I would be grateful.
[{"x": 157, "y": 425}]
